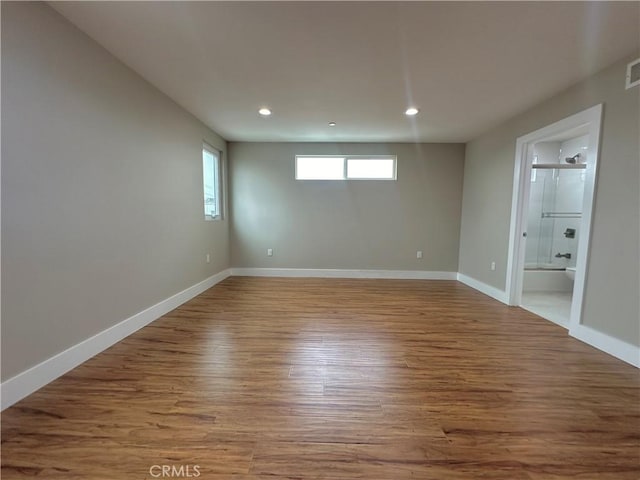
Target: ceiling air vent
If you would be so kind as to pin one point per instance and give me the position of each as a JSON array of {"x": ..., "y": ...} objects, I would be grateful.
[{"x": 633, "y": 74}]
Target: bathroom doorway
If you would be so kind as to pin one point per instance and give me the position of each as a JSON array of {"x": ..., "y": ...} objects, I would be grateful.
[{"x": 554, "y": 185}]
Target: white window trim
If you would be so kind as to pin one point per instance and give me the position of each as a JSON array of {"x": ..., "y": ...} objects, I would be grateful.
[
  {"x": 219, "y": 194},
  {"x": 345, "y": 163}
]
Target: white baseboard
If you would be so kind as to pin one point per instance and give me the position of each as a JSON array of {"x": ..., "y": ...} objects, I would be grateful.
[
  {"x": 341, "y": 273},
  {"x": 27, "y": 382},
  {"x": 493, "y": 292},
  {"x": 613, "y": 346},
  {"x": 622, "y": 350}
]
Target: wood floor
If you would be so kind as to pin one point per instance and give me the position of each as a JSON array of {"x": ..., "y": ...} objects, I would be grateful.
[{"x": 262, "y": 378}]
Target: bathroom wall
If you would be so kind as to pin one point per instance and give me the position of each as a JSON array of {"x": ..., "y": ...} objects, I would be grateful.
[{"x": 546, "y": 152}]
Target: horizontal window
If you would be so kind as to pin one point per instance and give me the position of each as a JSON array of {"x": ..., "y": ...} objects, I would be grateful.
[
  {"x": 319, "y": 168},
  {"x": 371, "y": 168},
  {"x": 352, "y": 167}
]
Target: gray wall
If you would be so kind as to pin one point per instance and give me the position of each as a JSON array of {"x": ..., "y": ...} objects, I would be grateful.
[
  {"x": 346, "y": 224},
  {"x": 611, "y": 297},
  {"x": 102, "y": 203}
]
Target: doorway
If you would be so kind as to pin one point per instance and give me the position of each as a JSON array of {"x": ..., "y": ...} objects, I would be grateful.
[{"x": 554, "y": 184}]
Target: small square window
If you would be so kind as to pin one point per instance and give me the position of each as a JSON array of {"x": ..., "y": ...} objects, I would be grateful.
[
  {"x": 371, "y": 168},
  {"x": 319, "y": 168},
  {"x": 633, "y": 74}
]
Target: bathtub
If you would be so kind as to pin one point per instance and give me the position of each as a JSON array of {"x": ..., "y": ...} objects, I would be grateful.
[{"x": 546, "y": 280}]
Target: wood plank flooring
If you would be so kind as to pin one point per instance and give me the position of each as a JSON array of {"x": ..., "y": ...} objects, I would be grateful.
[{"x": 263, "y": 378}]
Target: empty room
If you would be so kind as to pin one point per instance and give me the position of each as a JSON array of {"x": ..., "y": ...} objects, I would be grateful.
[{"x": 320, "y": 240}]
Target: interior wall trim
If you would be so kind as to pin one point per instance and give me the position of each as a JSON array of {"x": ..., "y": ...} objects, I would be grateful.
[
  {"x": 482, "y": 287},
  {"x": 343, "y": 273},
  {"x": 36, "y": 377},
  {"x": 613, "y": 346},
  {"x": 27, "y": 382}
]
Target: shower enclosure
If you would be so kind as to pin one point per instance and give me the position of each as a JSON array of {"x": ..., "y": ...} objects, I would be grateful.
[{"x": 555, "y": 206}]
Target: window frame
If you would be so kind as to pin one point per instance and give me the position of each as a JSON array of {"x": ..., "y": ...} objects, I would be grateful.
[
  {"x": 345, "y": 164},
  {"x": 217, "y": 154}
]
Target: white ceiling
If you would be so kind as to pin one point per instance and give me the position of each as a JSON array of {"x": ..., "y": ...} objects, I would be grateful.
[{"x": 467, "y": 66}]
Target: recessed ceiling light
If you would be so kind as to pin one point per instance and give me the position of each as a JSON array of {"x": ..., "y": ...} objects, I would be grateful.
[
  {"x": 411, "y": 111},
  {"x": 265, "y": 112},
  {"x": 332, "y": 124}
]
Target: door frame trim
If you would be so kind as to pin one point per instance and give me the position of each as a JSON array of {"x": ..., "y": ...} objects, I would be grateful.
[{"x": 592, "y": 119}]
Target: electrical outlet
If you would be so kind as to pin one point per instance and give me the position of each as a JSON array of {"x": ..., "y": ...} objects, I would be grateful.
[
  {"x": 493, "y": 265},
  {"x": 208, "y": 258},
  {"x": 419, "y": 254},
  {"x": 269, "y": 252}
]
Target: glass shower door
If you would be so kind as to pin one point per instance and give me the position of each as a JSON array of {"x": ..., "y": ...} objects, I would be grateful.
[{"x": 555, "y": 209}]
